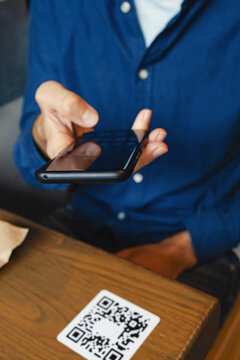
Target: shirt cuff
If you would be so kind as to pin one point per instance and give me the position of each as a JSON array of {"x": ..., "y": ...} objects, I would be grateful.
[
  {"x": 28, "y": 159},
  {"x": 209, "y": 233}
]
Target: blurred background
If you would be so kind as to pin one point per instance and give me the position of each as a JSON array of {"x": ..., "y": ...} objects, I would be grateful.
[{"x": 15, "y": 194}]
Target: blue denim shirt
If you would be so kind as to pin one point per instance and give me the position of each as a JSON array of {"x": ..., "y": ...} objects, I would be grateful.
[{"x": 193, "y": 88}]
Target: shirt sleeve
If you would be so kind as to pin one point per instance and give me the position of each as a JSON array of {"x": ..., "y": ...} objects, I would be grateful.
[
  {"x": 217, "y": 229},
  {"x": 43, "y": 66}
]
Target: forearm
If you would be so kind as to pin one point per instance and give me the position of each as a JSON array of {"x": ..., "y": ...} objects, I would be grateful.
[
  {"x": 217, "y": 229},
  {"x": 182, "y": 250},
  {"x": 170, "y": 257}
]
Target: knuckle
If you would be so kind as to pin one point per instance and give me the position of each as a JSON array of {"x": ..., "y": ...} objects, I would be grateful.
[
  {"x": 70, "y": 102},
  {"x": 40, "y": 94},
  {"x": 49, "y": 151}
]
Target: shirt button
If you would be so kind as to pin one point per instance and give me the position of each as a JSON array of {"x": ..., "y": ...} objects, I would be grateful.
[
  {"x": 143, "y": 74},
  {"x": 121, "y": 215},
  {"x": 125, "y": 7},
  {"x": 138, "y": 178}
]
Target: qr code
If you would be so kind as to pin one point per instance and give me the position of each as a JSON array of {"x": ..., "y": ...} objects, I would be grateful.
[{"x": 109, "y": 330}]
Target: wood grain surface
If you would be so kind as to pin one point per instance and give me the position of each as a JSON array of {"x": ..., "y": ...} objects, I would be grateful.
[
  {"x": 227, "y": 343},
  {"x": 51, "y": 277}
]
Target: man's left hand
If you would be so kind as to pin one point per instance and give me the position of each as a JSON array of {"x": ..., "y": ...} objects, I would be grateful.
[
  {"x": 170, "y": 257},
  {"x": 155, "y": 146}
]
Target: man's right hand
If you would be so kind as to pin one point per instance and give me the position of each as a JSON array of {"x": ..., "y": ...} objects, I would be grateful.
[{"x": 64, "y": 115}]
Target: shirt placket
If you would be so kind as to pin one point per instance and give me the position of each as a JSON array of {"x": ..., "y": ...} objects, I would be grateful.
[
  {"x": 142, "y": 78},
  {"x": 143, "y": 61}
]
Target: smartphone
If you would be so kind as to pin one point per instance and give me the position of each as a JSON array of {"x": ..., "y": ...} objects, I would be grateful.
[{"x": 96, "y": 157}]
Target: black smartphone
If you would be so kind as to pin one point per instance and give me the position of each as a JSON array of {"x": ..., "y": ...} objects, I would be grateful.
[{"x": 96, "y": 157}]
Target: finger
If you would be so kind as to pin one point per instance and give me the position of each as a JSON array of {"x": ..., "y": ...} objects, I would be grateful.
[
  {"x": 122, "y": 254},
  {"x": 152, "y": 151},
  {"x": 57, "y": 143},
  {"x": 54, "y": 98},
  {"x": 76, "y": 158},
  {"x": 142, "y": 121},
  {"x": 125, "y": 253},
  {"x": 157, "y": 135},
  {"x": 79, "y": 131}
]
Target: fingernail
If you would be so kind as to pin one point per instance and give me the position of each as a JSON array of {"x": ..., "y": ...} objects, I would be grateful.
[
  {"x": 159, "y": 151},
  {"x": 161, "y": 136},
  {"x": 147, "y": 115},
  {"x": 90, "y": 117}
]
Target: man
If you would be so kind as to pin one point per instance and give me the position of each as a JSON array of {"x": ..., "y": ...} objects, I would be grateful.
[{"x": 177, "y": 58}]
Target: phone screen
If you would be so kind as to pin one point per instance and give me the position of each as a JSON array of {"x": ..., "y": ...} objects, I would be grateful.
[{"x": 98, "y": 151}]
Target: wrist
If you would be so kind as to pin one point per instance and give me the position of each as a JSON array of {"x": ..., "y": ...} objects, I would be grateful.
[{"x": 183, "y": 248}]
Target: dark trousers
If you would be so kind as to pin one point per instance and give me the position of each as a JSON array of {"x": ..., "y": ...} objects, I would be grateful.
[{"x": 219, "y": 277}]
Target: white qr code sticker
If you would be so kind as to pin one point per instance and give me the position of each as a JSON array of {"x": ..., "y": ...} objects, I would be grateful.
[{"x": 108, "y": 328}]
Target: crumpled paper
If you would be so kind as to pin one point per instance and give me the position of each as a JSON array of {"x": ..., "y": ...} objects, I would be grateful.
[{"x": 11, "y": 236}]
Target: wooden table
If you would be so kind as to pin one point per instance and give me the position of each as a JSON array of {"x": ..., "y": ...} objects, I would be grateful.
[
  {"x": 227, "y": 345},
  {"x": 51, "y": 277}
]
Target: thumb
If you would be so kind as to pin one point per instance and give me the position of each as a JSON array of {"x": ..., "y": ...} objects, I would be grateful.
[{"x": 143, "y": 120}]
